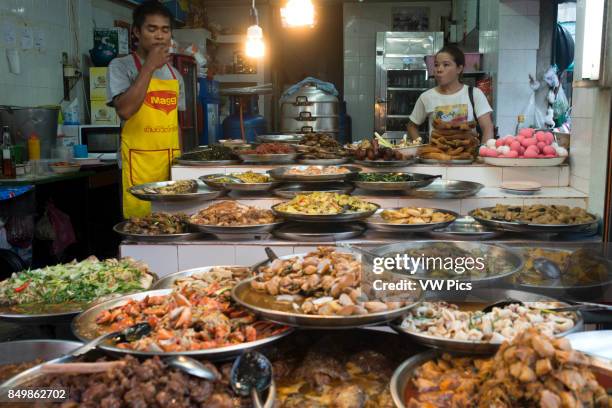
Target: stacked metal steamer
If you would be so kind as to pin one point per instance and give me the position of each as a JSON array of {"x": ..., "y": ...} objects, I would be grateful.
[{"x": 308, "y": 110}]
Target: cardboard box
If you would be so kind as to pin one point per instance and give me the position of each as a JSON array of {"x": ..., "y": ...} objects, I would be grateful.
[
  {"x": 97, "y": 83},
  {"x": 102, "y": 114}
]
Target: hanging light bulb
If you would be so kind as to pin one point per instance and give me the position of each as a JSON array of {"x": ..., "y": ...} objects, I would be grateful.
[
  {"x": 298, "y": 13},
  {"x": 255, "y": 47}
]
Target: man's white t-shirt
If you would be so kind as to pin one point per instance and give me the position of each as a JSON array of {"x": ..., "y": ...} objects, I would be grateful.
[{"x": 455, "y": 108}]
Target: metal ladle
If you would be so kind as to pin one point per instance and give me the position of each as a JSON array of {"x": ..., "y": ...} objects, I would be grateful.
[
  {"x": 192, "y": 367},
  {"x": 252, "y": 374}
]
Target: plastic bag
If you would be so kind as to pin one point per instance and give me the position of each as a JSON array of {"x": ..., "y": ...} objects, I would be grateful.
[
  {"x": 560, "y": 108},
  {"x": 530, "y": 111}
]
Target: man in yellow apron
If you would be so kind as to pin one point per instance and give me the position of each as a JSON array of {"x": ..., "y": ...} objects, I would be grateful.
[{"x": 147, "y": 93}]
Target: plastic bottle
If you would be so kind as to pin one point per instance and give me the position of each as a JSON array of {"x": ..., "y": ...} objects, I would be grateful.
[
  {"x": 8, "y": 164},
  {"x": 34, "y": 147}
]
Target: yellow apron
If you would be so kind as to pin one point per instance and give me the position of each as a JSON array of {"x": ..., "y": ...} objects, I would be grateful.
[{"x": 149, "y": 141}]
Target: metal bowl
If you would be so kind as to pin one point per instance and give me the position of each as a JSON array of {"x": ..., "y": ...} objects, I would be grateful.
[
  {"x": 484, "y": 295},
  {"x": 343, "y": 217},
  {"x": 465, "y": 229},
  {"x": 207, "y": 163},
  {"x": 167, "y": 282},
  {"x": 268, "y": 158},
  {"x": 291, "y": 190},
  {"x": 324, "y": 162},
  {"x": 319, "y": 232},
  {"x": 23, "y": 351},
  {"x": 403, "y": 375},
  {"x": 237, "y": 229},
  {"x": 84, "y": 328},
  {"x": 386, "y": 163},
  {"x": 203, "y": 193},
  {"x": 490, "y": 250},
  {"x": 453, "y": 161},
  {"x": 447, "y": 189},
  {"x": 209, "y": 180},
  {"x": 518, "y": 226},
  {"x": 416, "y": 181},
  {"x": 184, "y": 236},
  {"x": 376, "y": 222},
  {"x": 280, "y": 173},
  {"x": 281, "y": 138}
]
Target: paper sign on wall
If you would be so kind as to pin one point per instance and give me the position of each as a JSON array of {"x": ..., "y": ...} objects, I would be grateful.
[
  {"x": 40, "y": 40},
  {"x": 9, "y": 35},
  {"x": 27, "y": 38}
]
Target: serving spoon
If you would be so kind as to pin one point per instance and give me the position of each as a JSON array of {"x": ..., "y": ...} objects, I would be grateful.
[{"x": 252, "y": 374}]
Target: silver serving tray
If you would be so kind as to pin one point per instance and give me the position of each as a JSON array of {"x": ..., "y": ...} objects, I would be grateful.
[
  {"x": 527, "y": 227},
  {"x": 209, "y": 181},
  {"x": 184, "y": 236},
  {"x": 376, "y": 222},
  {"x": 268, "y": 158},
  {"x": 465, "y": 229},
  {"x": 454, "y": 161},
  {"x": 83, "y": 327},
  {"x": 344, "y": 217},
  {"x": 279, "y": 173},
  {"x": 238, "y": 229},
  {"x": 167, "y": 282},
  {"x": 482, "y": 347},
  {"x": 450, "y": 189},
  {"x": 203, "y": 193},
  {"x": 494, "y": 251},
  {"x": 302, "y": 320},
  {"x": 419, "y": 180},
  {"x": 386, "y": 163},
  {"x": 23, "y": 351},
  {"x": 319, "y": 232},
  {"x": 286, "y": 138},
  {"x": 291, "y": 190},
  {"x": 207, "y": 163},
  {"x": 324, "y": 162}
]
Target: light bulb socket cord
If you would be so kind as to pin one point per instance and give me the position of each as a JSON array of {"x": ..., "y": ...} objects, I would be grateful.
[{"x": 254, "y": 15}]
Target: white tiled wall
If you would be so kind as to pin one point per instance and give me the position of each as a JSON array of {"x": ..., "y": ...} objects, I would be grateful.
[{"x": 361, "y": 23}]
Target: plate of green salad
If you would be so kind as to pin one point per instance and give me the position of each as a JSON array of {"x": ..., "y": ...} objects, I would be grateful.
[
  {"x": 64, "y": 290},
  {"x": 392, "y": 181}
]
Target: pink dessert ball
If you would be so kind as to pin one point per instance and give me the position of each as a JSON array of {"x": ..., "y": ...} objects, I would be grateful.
[
  {"x": 521, "y": 151},
  {"x": 520, "y": 138},
  {"x": 499, "y": 142},
  {"x": 549, "y": 150},
  {"x": 541, "y": 145},
  {"x": 512, "y": 154},
  {"x": 526, "y": 132},
  {"x": 550, "y": 138},
  {"x": 530, "y": 154},
  {"x": 541, "y": 136},
  {"x": 508, "y": 140},
  {"x": 529, "y": 142},
  {"x": 515, "y": 146}
]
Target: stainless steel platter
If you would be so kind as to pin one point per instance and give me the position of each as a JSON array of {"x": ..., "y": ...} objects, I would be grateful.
[
  {"x": 268, "y": 158},
  {"x": 403, "y": 375},
  {"x": 376, "y": 222},
  {"x": 417, "y": 181},
  {"x": 484, "y": 296},
  {"x": 280, "y": 173},
  {"x": 208, "y": 163},
  {"x": 243, "y": 294},
  {"x": 284, "y": 138},
  {"x": 238, "y": 229},
  {"x": 202, "y": 193},
  {"x": 319, "y": 232},
  {"x": 209, "y": 180},
  {"x": 491, "y": 252},
  {"x": 443, "y": 189},
  {"x": 23, "y": 351},
  {"x": 517, "y": 226},
  {"x": 465, "y": 229},
  {"x": 167, "y": 282},
  {"x": 324, "y": 162},
  {"x": 343, "y": 217},
  {"x": 84, "y": 328},
  {"x": 184, "y": 236},
  {"x": 291, "y": 190},
  {"x": 454, "y": 161},
  {"x": 386, "y": 163}
]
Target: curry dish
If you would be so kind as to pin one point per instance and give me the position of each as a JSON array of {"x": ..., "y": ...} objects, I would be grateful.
[{"x": 536, "y": 214}]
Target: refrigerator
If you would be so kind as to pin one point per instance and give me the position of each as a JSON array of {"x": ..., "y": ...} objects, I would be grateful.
[{"x": 401, "y": 76}]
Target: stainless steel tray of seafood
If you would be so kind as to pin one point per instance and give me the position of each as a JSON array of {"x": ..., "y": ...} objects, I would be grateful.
[
  {"x": 386, "y": 163},
  {"x": 465, "y": 229},
  {"x": 324, "y": 162},
  {"x": 209, "y": 180},
  {"x": 378, "y": 223},
  {"x": 202, "y": 193},
  {"x": 184, "y": 236},
  {"x": 447, "y": 189},
  {"x": 454, "y": 161},
  {"x": 243, "y": 294},
  {"x": 167, "y": 282},
  {"x": 23, "y": 351},
  {"x": 518, "y": 226},
  {"x": 268, "y": 158},
  {"x": 237, "y": 229},
  {"x": 84, "y": 328},
  {"x": 417, "y": 181},
  {"x": 484, "y": 296},
  {"x": 504, "y": 260},
  {"x": 342, "y": 217},
  {"x": 280, "y": 173},
  {"x": 291, "y": 190},
  {"x": 319, "y": 232},
  {"x": 283, "y": 138},
  {"x": 207, "y": 163}
]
